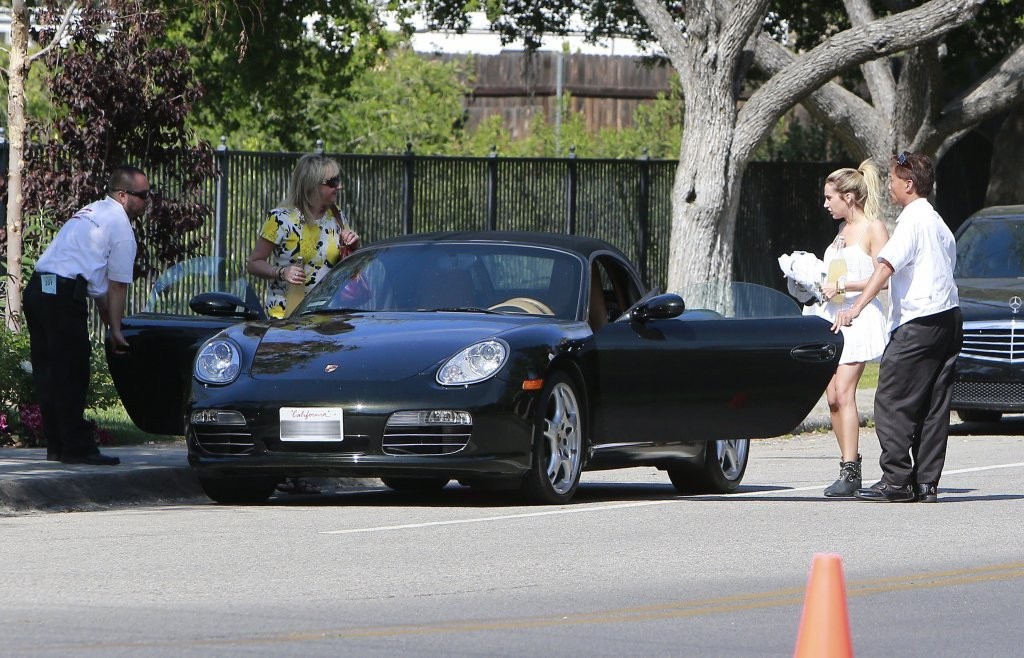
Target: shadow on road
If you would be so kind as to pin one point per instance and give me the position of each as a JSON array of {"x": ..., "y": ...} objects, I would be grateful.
[{"x": 1010, "y": 425}]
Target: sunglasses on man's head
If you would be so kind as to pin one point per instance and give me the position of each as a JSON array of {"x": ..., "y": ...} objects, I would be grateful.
[
  {"x": 333, "y": 181},
  {"x": 901, "y": 159},
  {"x": 142, "y": 194}
]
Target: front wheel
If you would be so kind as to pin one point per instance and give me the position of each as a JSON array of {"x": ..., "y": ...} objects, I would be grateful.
[
  {"x": 557, "y": 444},
  {"x": 725, "y": 462},
  {"x": 234, "y": 490}
]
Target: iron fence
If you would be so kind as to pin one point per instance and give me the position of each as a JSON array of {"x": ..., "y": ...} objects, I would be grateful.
[{"x": 626, "y": 202}]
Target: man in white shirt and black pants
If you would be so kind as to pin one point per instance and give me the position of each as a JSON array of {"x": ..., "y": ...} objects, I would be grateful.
[
  {"x": 93, "y": 255},
  {"x": 915, "y": 380}
]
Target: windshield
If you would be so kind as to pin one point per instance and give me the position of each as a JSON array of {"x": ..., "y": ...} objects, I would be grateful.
[
  {"x": 991, "y": 249},
  {"x": 480, "y": 277}
]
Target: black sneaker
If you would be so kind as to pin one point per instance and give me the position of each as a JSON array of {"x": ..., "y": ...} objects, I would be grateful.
[
  {"x": 926, "y": 493},
  {"x": 883, "y": 492}
]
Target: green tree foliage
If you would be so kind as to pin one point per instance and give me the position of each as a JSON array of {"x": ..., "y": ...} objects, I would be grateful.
[
  {"x": 37, "y": 101},
  {"x": 118, "y": 98},
  {"x": 405, "y": 98},
  {"x": 273, "y": 71}
]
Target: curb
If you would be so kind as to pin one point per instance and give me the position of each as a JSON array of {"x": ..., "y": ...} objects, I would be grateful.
[{"x": 75, "y": 492}]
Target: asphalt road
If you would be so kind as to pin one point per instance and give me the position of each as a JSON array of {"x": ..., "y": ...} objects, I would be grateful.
[{"x": 629, "y": 569}]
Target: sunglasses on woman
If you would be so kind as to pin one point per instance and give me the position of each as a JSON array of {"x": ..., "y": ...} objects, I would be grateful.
[{"x": 333, "y": 181}]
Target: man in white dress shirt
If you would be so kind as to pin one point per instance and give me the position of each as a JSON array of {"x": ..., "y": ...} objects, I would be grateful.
[
  {"x": 93, "y": 255},
  {"x": 915, "y": 378}
]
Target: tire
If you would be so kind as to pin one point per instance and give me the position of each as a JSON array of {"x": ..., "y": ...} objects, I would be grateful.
[
  {"x": 979, "y": 415},
  {"x": 415, "y": 484},
  {"x": 725, "y": 462},
  {"x": 558, "y": 444},
  {"x": 234, "y": 490}
]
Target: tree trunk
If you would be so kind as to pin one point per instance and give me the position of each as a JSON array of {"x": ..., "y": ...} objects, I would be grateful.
[
  {"x": 17, "y": 73},
  {"x": 1007, "y": 177},
  {"x": 705, "y": 199}
]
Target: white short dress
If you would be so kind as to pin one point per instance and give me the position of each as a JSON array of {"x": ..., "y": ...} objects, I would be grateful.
[{"x": 866, "y": 338}]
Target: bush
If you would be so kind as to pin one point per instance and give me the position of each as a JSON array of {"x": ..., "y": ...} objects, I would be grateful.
[{"x": 19, "y": 411}]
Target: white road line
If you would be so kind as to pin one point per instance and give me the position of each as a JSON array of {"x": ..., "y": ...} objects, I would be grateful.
[
  {"x": 564, "y": 510},
  {"x": 604, "y": 508},
  {"x": 982, "y": 468}
]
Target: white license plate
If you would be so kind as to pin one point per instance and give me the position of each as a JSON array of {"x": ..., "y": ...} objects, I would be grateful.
[{"x": 324, "y": 424}]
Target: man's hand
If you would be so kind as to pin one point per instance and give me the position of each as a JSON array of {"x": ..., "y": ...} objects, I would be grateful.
[{"x": 118, "y": 344}]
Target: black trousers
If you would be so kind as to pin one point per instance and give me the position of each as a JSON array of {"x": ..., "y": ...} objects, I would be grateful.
[
  {"x": 915, "y": 383},
  {"x": 60, "y": 349}
]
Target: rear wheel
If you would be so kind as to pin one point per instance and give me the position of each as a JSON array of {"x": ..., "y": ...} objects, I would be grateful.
[
  {"x": 979, "y": 415},
  {"x": 557, "y": 444},
  {"x": 725, "y": 462},
  {"x": 415, "y": 484},
  {"x": 235, "y": 490}
]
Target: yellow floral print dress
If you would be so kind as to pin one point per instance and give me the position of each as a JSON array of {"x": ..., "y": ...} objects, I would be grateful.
[{"x": 318, "y": 243}]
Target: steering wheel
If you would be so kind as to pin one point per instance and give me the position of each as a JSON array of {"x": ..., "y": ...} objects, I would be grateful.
[{"x": 525, "y": 305}]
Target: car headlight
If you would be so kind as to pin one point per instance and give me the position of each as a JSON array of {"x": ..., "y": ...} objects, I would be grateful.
[
  {"x": 473, "y": 364},
  {"x": 218, "y": 362}
]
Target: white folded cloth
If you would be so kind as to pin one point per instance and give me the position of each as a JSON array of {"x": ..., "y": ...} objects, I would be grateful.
[{"x": 804, "y": 273}]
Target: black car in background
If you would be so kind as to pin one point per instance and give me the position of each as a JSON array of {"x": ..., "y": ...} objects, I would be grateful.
[
  {"x": 500, "y": 360},
  {"x": 990, "y": 275}
]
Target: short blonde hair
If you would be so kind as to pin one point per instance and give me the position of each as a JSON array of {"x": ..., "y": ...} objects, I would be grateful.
[{"x": 304, "y": 187}]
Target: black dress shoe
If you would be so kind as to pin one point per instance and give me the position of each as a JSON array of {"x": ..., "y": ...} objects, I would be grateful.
[
  {"x": 926, "y": 493},
  {"x": 883, "y": 492},
  {"x": 93, "y": 459}
]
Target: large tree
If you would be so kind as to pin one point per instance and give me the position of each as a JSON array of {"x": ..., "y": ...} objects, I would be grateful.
[
  {"x": 715, "y": 44},
  {"x": 116, "y": 98}
]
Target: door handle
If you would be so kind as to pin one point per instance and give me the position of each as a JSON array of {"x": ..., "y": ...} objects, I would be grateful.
[{"x": 814, "y": 353}]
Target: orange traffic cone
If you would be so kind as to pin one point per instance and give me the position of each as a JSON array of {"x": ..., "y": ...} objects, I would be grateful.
[{"x": 825, "y": 623}]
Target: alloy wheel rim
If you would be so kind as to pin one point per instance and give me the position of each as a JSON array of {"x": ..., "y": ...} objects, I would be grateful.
[
  {"x": 562, "y": 435},
  {"x": 732, "y": 456}
]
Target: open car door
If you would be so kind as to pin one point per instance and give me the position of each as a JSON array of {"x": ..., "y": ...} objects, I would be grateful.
[
  {"x": 740, "y": 362},
  {"x": 154, "y": 377}
]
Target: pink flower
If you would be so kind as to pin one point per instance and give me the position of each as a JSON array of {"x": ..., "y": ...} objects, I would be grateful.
[
  {"x": 102, "y": 436},
  {"x": 31, "y": 418},
  {"x": 3, "y": 422}
]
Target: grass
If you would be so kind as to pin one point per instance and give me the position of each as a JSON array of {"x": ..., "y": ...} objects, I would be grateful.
[
  {"x": 870, "y": 377},
  {"x": 115, "y": 421}
]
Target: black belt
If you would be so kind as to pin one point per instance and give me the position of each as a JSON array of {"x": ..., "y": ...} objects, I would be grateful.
[{"x": 76, "y": 287}]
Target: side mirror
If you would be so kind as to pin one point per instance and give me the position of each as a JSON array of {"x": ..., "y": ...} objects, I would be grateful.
[
  {"x": 223, "y": 305},
  {"x": 661, "y": 307}
]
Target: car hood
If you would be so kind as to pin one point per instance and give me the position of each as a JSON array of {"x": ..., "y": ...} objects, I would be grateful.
[
  {"x": 989, "y": 299},
  {"x": 378, "y": 347}
]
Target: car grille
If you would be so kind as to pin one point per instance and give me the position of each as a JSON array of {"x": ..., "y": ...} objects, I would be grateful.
[
  {"x": 994, "y": 341},
  {"x": 997, "y": 395},
  {"x": 223, "y": 440},
  {"x": 435, "y": 439}
]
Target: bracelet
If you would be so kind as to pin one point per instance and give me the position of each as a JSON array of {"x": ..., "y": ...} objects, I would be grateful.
[{"x": 280, "y": 271}]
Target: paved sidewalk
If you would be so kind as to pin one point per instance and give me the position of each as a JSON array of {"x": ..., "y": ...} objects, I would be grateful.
[{"x": 159, "y": 473}]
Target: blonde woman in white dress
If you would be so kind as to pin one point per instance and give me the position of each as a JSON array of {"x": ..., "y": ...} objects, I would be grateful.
[{"x": 855, "y": 197}]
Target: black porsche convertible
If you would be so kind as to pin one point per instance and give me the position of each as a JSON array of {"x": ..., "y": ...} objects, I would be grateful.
[{"x": 497, "y": 359}]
